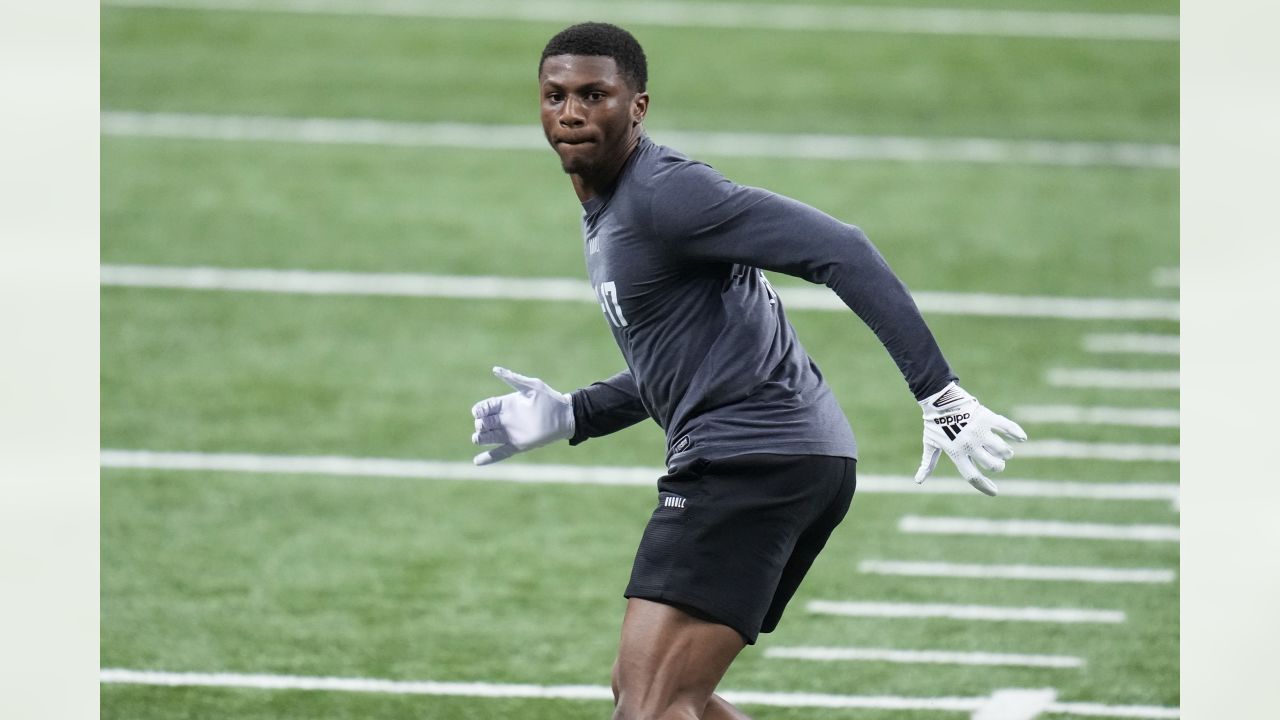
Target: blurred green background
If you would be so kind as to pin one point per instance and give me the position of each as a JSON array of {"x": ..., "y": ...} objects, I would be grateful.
[{"x": 453, "y": 580}]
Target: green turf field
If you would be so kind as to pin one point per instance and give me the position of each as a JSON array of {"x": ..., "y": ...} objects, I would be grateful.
[{"x": 502, "y": 582}]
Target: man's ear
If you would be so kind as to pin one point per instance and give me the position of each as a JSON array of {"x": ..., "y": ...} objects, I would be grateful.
[{"x": 639, "y": 108}]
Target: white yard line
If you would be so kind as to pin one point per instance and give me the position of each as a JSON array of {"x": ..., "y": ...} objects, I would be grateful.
[
  {"x": 510, "y": 690},
  {"x": 993, "y": 613},
  {"x": 1115, "y": 452},
  {"x": 601, "y": 693},
  {"x": 1040, "y": 573},
  {"x": 1140, "y": 343},
  {"x": 1113, "y": 711},
  {"x": 584, "y": 474},
  {"x": 309, "y": 282},
  {"x": 1037, "y": 528},
  {"x": 911, "y": 657},
  {"x": 725, "y": 144},
  {"x": 570, "y": 290},
  {"x": 380, "y": 467},
  {"x": 1016, "y": 704},
  {"x": 360, "y": 685},
  {"x": 1110, "y": 379},
  {"x": 1010, "y": 23},
  {"x": 1166, "y": 277},
  {"x": 1077, "y": 415},
  {"x": 991, "y": 305},
  {"x": 1029, "y": 488}
]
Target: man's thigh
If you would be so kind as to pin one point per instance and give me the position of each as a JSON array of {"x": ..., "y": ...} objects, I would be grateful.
[
  {"x": 725, "y": 531},
  {"x": 669, "y": 662}
]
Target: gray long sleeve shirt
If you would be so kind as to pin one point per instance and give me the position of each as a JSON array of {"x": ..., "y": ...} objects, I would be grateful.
[{"x": 674, "y": 253}]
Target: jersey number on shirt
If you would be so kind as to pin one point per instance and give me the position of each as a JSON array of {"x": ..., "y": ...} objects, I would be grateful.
[{"x": 607, "y": 293}]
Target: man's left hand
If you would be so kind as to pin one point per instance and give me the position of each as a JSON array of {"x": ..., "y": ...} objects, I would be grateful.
[{"x": 957, "y": 424}]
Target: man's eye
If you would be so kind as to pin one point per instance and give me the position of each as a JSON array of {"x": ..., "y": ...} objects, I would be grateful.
[
  {"x": 555, "y": 97},
  {"x": 595, "y": 96}
]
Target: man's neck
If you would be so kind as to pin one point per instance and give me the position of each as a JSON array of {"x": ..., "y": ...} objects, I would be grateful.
[{"x": 589, "y": 186}]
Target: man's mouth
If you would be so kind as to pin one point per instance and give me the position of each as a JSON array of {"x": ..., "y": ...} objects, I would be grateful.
[{"x": 580, "y": 141}]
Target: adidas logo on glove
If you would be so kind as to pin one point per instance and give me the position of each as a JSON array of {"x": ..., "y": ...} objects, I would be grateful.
[
  {"x": 952, "y": 429},
  {"x": 951, "y": 424}
]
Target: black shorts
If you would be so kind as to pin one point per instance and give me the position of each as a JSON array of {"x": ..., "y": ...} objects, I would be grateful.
[{"x": 731, "y": 539}]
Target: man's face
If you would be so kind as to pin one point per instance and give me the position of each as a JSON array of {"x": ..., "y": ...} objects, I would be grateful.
[{"x": 589, "y": 113}]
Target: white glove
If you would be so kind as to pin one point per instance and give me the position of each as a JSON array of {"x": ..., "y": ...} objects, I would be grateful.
[
  {"x": 955, "y": 422},
  {"x": 532, "y": 416}
]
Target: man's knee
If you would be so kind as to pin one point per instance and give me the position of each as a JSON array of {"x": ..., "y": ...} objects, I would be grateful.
[
  {"x": 649, "y": 706},
  {"x": 640, "y": 697},
  {"x": 637, "y": 696}
]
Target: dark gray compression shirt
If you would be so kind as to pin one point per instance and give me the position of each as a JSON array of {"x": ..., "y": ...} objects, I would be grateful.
[{"x": 674, "y": 253}]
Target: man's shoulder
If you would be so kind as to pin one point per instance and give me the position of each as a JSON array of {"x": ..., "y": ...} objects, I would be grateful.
[
  {"x": 667, "y": 163},
  {"x": 666, "y": 193},
  {"x": 664, "y": 172}
]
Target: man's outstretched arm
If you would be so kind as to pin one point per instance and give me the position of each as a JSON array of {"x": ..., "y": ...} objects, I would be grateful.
[
  {"x": 537, "y": 414},
  {"x": 705, "y": 217}
]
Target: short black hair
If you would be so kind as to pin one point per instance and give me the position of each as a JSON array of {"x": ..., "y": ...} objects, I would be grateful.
[{"x": 594, "y": 38}]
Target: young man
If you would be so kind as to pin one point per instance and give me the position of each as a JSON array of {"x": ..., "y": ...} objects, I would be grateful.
[{"x": 760, "y": 458}]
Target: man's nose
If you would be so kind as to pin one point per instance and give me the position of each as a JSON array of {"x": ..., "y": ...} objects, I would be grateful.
[{"x": 571, "y": 114}]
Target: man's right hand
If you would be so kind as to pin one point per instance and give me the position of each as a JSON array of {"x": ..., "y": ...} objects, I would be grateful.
[{"x": 532, "y": 416}]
